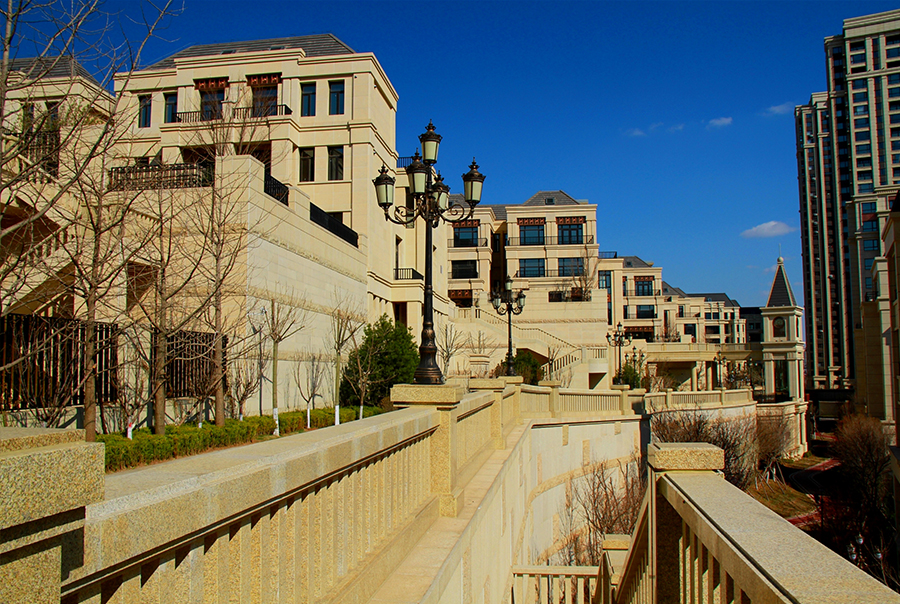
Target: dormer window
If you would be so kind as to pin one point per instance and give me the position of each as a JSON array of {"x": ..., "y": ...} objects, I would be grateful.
[{"x": 549, "y": 201}]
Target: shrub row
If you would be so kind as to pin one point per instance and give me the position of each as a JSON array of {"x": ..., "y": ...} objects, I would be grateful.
[{"x": 179, "y": 441}]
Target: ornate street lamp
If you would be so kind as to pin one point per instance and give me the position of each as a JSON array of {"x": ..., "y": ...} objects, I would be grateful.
[
  {"x": 618, "y": 339},
  {"x": 636, "y": 360},
  {"x": 431, "y": 201},
  {"x": 720, "y": 361},
  {"x": 509, "y": 304}
]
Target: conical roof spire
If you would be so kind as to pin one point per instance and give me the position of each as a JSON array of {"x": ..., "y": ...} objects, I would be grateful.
[{"x": 781, "y": 294}]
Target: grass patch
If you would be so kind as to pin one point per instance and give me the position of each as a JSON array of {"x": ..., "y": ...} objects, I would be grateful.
[
  {"x": 781, "y": 498},
  {"x": 807, "y": 461}
]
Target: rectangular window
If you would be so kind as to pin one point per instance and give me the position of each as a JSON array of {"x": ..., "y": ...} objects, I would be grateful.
[
  {"x": 870, "y": 226},
  {"x": 265, "y": 100},
  {"x": 892, "y": 41},
  {"x": 859, "y": 84},
  {"x": 861, "y": 122},
  {"x": 895, "y": 118},
  {"x": 868, "y": 282},
  {"x": 171, "y": 113},
  {"x": 531, "y": 267},
  {"x": 144, "y": 114},
  {"x": 893, "y": 93},
  {"x": 308, "y": 100},
  {"x": 571, "y": 267},
  {"x": 868, "y": 207},
  {"x": 643, "y": 288},
  {"x": 867, "y": 263},
  {"x": 857, "y": 59},
  {"x": 866, "y": 188},
  {"x": 307, "y": 164},
  {"x": 463, "y": 269},
  {"x": 893, "y": 53},
  {"x": 857, "y": 46},
  {"x": 871, "y": 245},
  {"x": 531, "y": 234},
  {"x": 864, "y": 175},
  {"x": 864, "y": 149},
  {"x": 646, "y": 311},
  {"x": 335, "y": 163},
  {"x": 861, "y": 110},
  {"x": 336, "y": 98},
  {"x": 863, "y": 135},
  {"x": 604, "y": 280},
  {"x": 211, "y": 104},
  {"x": 465, "y": 236},
  {"x": 570, "y": 234},
  {"x": 864, "y": 162},
  {"x": 860, "y": 97}
]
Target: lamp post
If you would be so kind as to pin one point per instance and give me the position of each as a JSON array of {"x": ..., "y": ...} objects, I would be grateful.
[
  {"x": 636, "y": 360},
  {"x": 618, "y": 339},
  {"x": 431, "y": 201},
  {"x": 720, "y": 360},
  {"x": 508, "y": 304}
]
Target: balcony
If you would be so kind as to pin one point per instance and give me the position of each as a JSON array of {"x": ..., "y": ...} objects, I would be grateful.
[
  {"x": 169, "y": 176},
  {"x": 642, "y": 292},
  {"x": 407, "y": 274},
  {"x": 403, "y": 162},
  {"x": 482, "y": 242},
  {"x": 260, "y": 111},
  {"x": 517, "y": 241},
  {"x": 42, "y": 148},
  {"x": 607, "y": 255},
  {"x": 212, "y": 114},
  {"x": 334, "y": 226},
  {"x": 276, "y": 189},
  {"x": 533, "y": 273}
]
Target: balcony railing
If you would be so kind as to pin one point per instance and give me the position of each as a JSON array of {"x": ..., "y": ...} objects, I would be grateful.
[
  {"x": 320, "y": 217},
  {"x": 170, "y": 176},
  {"x": 482, "y": 242},
  {"x": 196, "y": 117},
  {"x": 276, "y": 189},
  {"x": 533, "y": 273},
  {"x": 407, "y": 274},
  {"x": 516, "y": 241},
  {"x": 403, "y": 162},
  {"x": 642, "y": 292},
  {"x": 259, "y": 111},
  {"x": 42, "y": 148},
  {"x": 607, "y": 255}
]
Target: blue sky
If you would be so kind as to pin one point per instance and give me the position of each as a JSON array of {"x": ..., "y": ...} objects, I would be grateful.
[{"x": 675, "y": 118}]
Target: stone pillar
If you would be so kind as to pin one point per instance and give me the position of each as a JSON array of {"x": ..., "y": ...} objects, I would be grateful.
[
  {"x": 48, "y": 477},
  {"x": 695, "y": 373},
  {"x": 496, "y": 386},
  {"x": 444, "y": 443},
  {"x": 665, "y": 524},
  {"x": 624, "y": 402},
  {"x": 554, "y": 395}
]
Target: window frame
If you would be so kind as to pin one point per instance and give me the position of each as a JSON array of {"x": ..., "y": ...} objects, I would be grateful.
[
  {"x": 145, "y": 109},
  {"x": 336, "y": 97},
  {"x": 336, "y": 163},
  {"x": 308, "y": 99}
]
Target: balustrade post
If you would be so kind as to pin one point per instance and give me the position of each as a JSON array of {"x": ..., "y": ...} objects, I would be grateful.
[
  {"x": 554, "y": 395},
  {"x": 668, "y": 398},
  {"x": 444, "y": 444},
  {"x": 721, "y": 395},
  {"x": 497, "y": 386},
  {"x": 624, "y": 403}
]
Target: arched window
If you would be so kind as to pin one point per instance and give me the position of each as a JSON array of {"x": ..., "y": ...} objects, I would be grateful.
[{"x": 778, "y": 328}]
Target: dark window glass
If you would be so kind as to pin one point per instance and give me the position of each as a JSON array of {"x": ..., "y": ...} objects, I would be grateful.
[
  {"x": 144, "y": 114},
  {"x": 870, "y": 225},
  {"x": 307, "y": 164},
  {"x": 211, "y": 104},
  {"x": 265, "y": 99},
  {"x": 308, "y": 100},
  {"x": 571, "y": 267},
  {"x": 871, "y": 245},
  {"x": 463, "y": 269},
  {"x": 868, "y": 207},
  {"x": 779, "y": 328},
  {"x": 859, "y": 84},
  {"x": 336, "y": 98},
  {"x": 860, "y": 97},
  {"x": 604, "y": 279},
  {"x": 171, "y": 113},
  {"x": 531, "y": 267},
  {"x": 335, "y": 163},
  {"x": 643, "y": 288},
  {"x": 646, "y": 311},
  {"x": 465, "y": 236},
  {"x": 570, "y": 234},
  {"x": 532, "y": 234}
]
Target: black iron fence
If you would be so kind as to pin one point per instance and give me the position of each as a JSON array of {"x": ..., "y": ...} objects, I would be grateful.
[
  {"x": 169, "y": 176},
  {"x": 42, "y": 148},
  {"x": 475, "y": 242},
  {"x": 320, "y": 217},
  {"x": 275, "y": 188},
  {"x": 42, "y": 362},
  {"x": 190, "y": 371},
  {"x": 547, "y": 240},
  {"x": 260, "y": 110}
]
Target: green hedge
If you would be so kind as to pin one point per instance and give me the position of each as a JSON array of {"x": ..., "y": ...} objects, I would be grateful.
[{"x": 179, "y": 441}]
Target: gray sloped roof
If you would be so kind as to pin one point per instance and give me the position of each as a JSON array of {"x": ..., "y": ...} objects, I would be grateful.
[
  {"x": 318, "y": 45},
  {"x": 781, "y": 294},
  {"x": 634, "y": 262},
  {"x": 51, "y": 67},
  {"x": 560, "y": 198},
  {"x": 717, "y": 297},
  {"x": 671, "y": 290}
]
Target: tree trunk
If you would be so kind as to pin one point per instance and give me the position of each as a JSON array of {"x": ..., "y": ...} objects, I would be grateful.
[
  {"x": 90, "y": 370},
  {"x": 219, "y": 363},
  {"x": 275, "y": 385},
  {"x": 159, "y": 384}
]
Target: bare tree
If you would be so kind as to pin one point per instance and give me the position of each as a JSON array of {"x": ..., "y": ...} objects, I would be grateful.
[
  {"x": 774, "y": 437},
  {"x": 346, "y": 321},
  {"x": 554, "y": 351},
  {"x": 584, "y": 278},
  {"x": 283, "y": 320},
  {"x": 310, "y": 381},
  {"x": 365, "y": 355},
  {"x": 450, "y": 341},
  {"x": 243, "y": 382}
]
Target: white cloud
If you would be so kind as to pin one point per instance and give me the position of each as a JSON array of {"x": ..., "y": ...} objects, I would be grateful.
[
  {"x": 782, "y": 109},
  {"x": 720, "y": 122},
  {"x": 635, "y": 132},
  {"x": 655, "y": 126},
  {"x": 772, "y": 228},
  {"x": 676, "y": 128},
  {"x": 771, "y": 269}
]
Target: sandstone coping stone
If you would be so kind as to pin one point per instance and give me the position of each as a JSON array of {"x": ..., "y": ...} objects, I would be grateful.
[
  {"x": 550, "y": 383},
  {"x": 14, "y": 439},
  {"x": 512, "y": 379},
  {"x": 487, "y": 384},
  {"x": 425, "y": 394},
  {"x": 44, "y": 480},
  {"x": 685, "y": 456}
]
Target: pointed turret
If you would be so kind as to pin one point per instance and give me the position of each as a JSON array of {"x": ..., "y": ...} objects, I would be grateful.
[{"x": 781, "y": 294}]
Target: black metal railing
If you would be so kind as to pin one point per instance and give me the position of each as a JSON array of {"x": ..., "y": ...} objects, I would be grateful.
[
  {"x": 169, "y": 176},
  {"x": 546, "y": 240},
  {"x": 407, "y": 274},
  {"x": 42, "y": 148},
  {"x": 259, "y": 111},
  {"x": 403, "y": 162},
  {"x": 607, "y": 255},
  {"x": 210, "y": 114},
  {"x": 334, "y": 226},
  {"x": 275, "y": 188},
  {"x": 642, "y": 292},
  {"x": 482, "y": 242},
  {"x": 539, "y": 272},
  {"x": 464, "y": 273}
]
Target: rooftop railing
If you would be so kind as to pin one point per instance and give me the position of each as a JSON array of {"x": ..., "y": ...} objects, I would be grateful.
[
  {"x": 334, "y": 226},
  {"x": 276, "y": 189},
  {"x": 537, "y": 273},
  {"x": 548, "y": 240}
]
